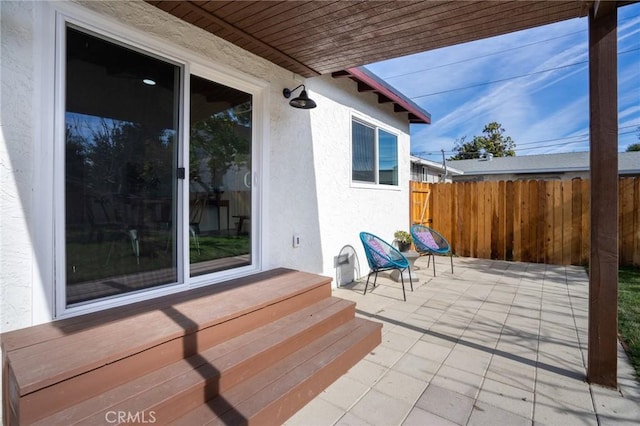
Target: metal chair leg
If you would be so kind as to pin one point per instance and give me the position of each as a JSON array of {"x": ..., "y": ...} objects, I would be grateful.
[
  {"x": 402, "y": 280},
  {"x": 410, "y": 280},
  {"x": 434, "y": 264},
  {"x": 367, "y": 284}
]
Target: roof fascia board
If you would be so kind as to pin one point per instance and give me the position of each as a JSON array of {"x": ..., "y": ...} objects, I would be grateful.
[{"x": 384, "y": 89}]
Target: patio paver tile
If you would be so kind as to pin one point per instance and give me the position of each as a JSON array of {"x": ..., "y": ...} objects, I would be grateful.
[
  {"x": 494, "y": 343},
  {"x": 431, "y": 351},
  {"x": 350, "y": 419},
  {"x": 510, "y": 398},
  {"x": 550, "y": 411},
  {"x": 420, "y": 417},
  {"x": 486, "y": 414},
  {"x": 469, "y": 358},
  {"x": 614, "y": 409},
  {"x": 401, "y": 386},
  {"x": 366, "y": 372},
  {"x": 512, "y": 373},
  {"x": 567, "y": 390},
  {"x": 439, "y": 339},
  {"x": 462, "y": 382},
  {"x": 344, "y": 392},
  {"x": 446, "y": 403},
  {"x": 399, "y": 342},
  {"x": 417, "y": 367},
  {"x": 380, "y": 409},
  {"x": 316, "y": 413},
  {"x": 384, "y": 356}
]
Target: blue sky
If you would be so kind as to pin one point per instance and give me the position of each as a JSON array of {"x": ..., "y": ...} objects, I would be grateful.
[{"x": 534, "y": 82}]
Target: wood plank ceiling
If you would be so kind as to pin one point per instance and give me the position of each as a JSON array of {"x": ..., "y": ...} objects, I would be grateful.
[{"x": 319, "y": 37}]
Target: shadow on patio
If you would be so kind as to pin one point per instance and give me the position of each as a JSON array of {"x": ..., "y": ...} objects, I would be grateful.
[{"x": 494, "y": 343}]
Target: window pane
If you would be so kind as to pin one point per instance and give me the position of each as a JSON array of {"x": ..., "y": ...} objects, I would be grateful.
[
  {"x": 120, "y": 169},
  {"x": 219, "y": 177},
  {"x": 363, "y": 153},
  {"x": 388, "y": 152}
]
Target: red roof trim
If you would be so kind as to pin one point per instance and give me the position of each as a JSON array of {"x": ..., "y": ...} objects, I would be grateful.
[{"x": 421, "y": 116}]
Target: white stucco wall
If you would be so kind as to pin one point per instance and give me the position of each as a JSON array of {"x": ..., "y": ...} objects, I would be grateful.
[
  {"x": 306, "y": 185},
  {"x": 16, "y": 164}
]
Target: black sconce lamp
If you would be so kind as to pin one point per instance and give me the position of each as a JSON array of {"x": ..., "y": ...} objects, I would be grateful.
[{"x": 301, "y": 101}]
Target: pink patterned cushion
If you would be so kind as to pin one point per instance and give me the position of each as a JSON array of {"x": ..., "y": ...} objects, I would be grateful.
[
  {"x": 427, "y": 239},
  {"x": 377, "y": 248}
]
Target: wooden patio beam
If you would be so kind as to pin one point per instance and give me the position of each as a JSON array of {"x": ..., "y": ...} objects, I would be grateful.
[{"x": 603, "y": 270}]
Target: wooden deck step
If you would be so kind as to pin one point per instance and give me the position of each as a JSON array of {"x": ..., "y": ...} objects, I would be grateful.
[
  {"x": 179, "y": 387},
  {"x": 254, "y": 349},
  {"x": 57, "y": 365},
  {"x": 272, "y": 396}
]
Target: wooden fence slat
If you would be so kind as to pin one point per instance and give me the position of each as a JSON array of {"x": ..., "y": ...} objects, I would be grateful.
[
  {"x": 473, "y": 249},
  {"x": 586, "y": 229},
  {"x": 564, "y": 220},
  {"x": 558, "y": 223},
  {"x": 508, "y": 215},
  {"x": 495, "y": 220},
  {"x": 636, "y": 222},
  {"x": 531, "y": 221},
  {"x": 539, "y": 251},
  {"x": 576, "y": 222},
  {"x": 501, "y": 220},
  {"x": 467, "y": 214},
  {"x": 626, "y": 220},
  {"x": 549, "y": 235},
  {"x": 517, "y": 221},
  {"x": 486, "y": 202}
]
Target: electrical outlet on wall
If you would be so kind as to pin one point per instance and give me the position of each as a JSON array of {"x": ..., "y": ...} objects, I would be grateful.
[{"x": 296, "y": 240}]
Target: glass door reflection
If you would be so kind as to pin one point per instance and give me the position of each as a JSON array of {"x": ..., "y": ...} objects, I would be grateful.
[
  {"x": 120, "y": 169},
  {"x": 219, "y": 177}
]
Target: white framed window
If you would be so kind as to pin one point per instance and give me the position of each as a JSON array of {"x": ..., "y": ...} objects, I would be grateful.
[
  {"x": 374, "y": 154},
  {"x": 157, "y": 157}
]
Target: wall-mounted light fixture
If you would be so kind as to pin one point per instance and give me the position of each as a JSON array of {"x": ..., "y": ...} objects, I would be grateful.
[{"x": 301, "y": 101}]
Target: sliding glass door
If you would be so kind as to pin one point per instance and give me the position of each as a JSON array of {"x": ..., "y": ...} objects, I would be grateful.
[
  {"x": 219, "y": 177},
  {"x": 121, "y": 147},
  {"x": 139, "y": 214}
]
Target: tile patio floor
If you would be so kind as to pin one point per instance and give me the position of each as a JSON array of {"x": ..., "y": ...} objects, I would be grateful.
[{"x": 495, "y": 343}]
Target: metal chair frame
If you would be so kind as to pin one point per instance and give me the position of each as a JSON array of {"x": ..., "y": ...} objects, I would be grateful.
[
  {"x": 384, "y": 257},
  {"x": 424, "y": 249}
]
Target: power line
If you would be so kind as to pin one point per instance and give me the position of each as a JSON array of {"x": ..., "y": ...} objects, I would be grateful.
[
  {"x": 481, "y": 56},
  {"x": 500, "y": 80},
  {"x": 584, "y": 136},
  {"x": 494, "y": 53},
  {"x": 511, "y": 78}
]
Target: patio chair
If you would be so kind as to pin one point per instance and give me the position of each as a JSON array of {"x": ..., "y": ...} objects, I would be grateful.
[
  {"x": 428, "y": 242},
  {"x": 382, "y": 256}
]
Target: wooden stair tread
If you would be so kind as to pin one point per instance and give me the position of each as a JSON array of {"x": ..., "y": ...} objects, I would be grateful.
[
  {"x": 253, "y": 349},
  {"x": 63, "y": 349},
  {"x": 189, "y": 382},
  {"x": 274, "y": 394}
]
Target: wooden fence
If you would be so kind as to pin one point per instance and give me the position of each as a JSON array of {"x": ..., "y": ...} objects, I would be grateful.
[{"x": 530, "y": 221}]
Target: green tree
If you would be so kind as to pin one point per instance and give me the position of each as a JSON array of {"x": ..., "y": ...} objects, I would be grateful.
[
  {"x": 493, "y": 141},
  {"x": 223, "y": 141},
  {"x": 635, "y": 146}
]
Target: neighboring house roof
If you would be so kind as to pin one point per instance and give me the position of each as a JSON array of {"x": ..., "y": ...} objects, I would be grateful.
[
  {"x": 628, "y": 163},
  {"x": 369, "y": 82},
  {"x": 435, "y": 165}
]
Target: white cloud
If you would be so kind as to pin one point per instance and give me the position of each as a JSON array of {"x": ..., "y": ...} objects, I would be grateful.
[{"x": 551, "y": 104}]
